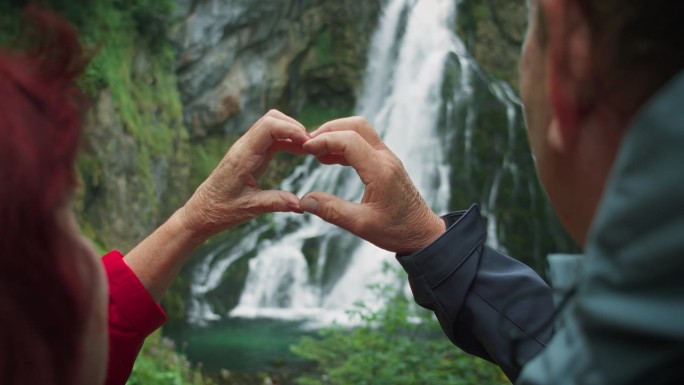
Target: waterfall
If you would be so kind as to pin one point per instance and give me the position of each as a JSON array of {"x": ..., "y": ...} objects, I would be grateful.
[{"x": 303, "y": 267}]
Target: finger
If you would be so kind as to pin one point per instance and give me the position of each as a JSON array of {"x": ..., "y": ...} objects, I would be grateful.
[
  {"x": 333, "y": 159},
  {"x": 270, "y": 129},
  {"x": 288, "y": 146},
  {"x": 265, "y": 162},
  {"x": 354, "y": 123},
  {"x": 271, "y": 201},
  {"x": 277, "y": 146},
  {"x": 349, "y": 145},
  {"x": 347, "y": 215},
  {"x": 277, "y": 114}
]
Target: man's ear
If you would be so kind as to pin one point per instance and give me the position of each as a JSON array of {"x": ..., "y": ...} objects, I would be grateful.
[{"x": 569, "y": 70}]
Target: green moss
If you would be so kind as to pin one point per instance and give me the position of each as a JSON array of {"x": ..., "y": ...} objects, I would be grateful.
[
  {"x": 323, "y": 48},
  {"x": 135, "y": 62},
  {"x": 206, "y": 155},
  {"x": 141, "y": 78},
  {"x": 148, "y": 103},
  {"x": 313, "y": 115}
]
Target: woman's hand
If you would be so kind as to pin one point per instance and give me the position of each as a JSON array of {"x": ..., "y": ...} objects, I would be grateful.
[
  {"x": 231, "y": 195},
  {"x": 228, "y": 197},
  {"x": 392, "y": 214}
]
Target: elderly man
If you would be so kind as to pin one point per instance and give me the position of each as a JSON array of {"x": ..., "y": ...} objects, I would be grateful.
[{"x": 602, "y": 86}]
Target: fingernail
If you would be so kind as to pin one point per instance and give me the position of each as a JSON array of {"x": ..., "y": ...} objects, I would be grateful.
[{"x": 309, "y": 205}]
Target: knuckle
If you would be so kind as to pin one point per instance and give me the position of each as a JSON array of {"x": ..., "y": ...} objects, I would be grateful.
[
  {"x": 360, "y": 123},
  {"x": 395, "y": 164},
  {"x": 332, "y": 214},
  {"x": 359, "y": 120},
  {"x": 272, "y": 206},
  {"x": 392, "y": 170},
  {"x": 269, "y": 120},
  {"x": 351, "y": 136},
  {"x": 348, "y": 134}
]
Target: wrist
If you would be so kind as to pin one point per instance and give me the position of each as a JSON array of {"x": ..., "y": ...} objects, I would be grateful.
[
  {"x": 435, "y": 230},
  {"x": 185, "y": 226},
  {"x": 431, "y": 229}
]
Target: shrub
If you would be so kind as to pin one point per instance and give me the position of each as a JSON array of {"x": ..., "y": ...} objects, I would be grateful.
[
  {"x": 399, "y": 344},
  {"x": 160, "y": 364}
]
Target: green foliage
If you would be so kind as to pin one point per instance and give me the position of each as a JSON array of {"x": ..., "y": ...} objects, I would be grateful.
[
  {"x": 399, "y": 344},
  {"x": 132, "y": 59},
  {"x": 149, "y": 18},
  {"x": 160, "y": 364},
  {"x": 323, "y": 48},
  {"x": 134, "y": 62},
  {"x": 313, "y": 115},
  {"x": 207, "y": 155},
  {"x": 140, "y": 75}
]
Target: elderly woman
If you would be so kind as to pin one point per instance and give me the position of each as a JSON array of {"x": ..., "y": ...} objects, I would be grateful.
[{"x": 57, "y": 301}]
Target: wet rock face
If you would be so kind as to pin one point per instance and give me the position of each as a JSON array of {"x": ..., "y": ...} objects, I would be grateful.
[
  {"x": 238, "y": 58},
  {"x": 125, "y": 192},
  {"x": 114, "y": 185},
  {"x": 234, "y": 60},
  {"x": 493, "y": 31}
]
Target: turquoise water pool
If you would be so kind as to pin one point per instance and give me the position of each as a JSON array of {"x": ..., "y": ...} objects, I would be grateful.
[{"x": 240, "y": 345}]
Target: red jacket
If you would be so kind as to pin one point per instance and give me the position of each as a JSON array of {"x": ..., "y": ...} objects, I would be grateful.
[{"x": 133, "y": 315}]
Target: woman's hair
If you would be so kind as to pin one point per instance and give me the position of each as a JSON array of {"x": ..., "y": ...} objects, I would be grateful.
[{"x": 43, "y": 304}]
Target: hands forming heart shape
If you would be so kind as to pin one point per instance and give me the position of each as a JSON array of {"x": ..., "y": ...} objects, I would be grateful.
[{"x": 391, "y": 214}]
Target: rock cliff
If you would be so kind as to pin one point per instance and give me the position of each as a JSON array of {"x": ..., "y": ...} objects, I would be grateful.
[
  {"x": 165, "y": 108},
  {"x": 238, "y": 58}
]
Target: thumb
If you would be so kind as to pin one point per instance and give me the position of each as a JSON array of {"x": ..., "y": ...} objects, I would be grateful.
[
  {"x": 332, "y": 209},
  {"x": 277, "y": 201}
]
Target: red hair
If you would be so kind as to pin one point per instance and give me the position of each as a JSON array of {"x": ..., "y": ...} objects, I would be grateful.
[{"x": 42, "y": 309}]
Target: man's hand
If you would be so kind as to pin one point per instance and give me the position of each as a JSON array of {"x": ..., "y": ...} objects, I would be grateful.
[
  {"x": 392, "y": 214},
  {"x": 231, "y": 194}
]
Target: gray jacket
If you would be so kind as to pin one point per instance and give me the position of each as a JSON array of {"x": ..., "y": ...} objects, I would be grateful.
[{"x": 624, "y": 322}]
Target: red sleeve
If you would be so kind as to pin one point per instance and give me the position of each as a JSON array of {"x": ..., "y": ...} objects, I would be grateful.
[{"x": 133, "y": 315}]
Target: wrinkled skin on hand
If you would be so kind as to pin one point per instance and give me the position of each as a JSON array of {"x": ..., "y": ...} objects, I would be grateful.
[
  {"x": 231, "y": 195},
  {"x": 392, "y": 214}
]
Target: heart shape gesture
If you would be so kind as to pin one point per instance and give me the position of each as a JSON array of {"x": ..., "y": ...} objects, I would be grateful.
[{"x": 392, "y": 214}]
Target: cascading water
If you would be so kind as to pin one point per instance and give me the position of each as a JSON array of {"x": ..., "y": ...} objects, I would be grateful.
[{"x": 303, "y": 267}]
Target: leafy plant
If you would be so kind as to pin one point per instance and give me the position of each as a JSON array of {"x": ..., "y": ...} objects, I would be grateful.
[
  {"x": 160, "y": 364},
  {"x": 399, "y": 344}
]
